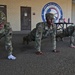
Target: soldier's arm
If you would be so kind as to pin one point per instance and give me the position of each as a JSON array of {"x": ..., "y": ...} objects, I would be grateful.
[
  {"x": 38, "y": 36},
  {"x": 54, "y": 30},
  {"x": 39, "y": 30},
  {"x": 7, "y": 25},
  {"x": 8, "y": 28}
]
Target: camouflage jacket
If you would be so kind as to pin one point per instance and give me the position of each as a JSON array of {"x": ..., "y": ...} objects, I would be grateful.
[
  {"x": 42, "y": 27},
  {"x": 4, "y": 29}
]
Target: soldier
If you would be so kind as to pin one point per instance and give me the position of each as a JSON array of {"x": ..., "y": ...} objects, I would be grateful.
[
  {"x": 6, "y": 32},
  {"x": 72, "y": 38},
  {"x": 43, "y": 29}
]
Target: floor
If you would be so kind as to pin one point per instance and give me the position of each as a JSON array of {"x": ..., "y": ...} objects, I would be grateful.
[{"x": 28, "y": 63}]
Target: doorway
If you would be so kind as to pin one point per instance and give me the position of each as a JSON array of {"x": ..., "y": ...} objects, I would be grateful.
[{"x": 25, "y": 18}]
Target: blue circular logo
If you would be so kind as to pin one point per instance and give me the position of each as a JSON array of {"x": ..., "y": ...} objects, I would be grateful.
[{"x": 52, "y": 8}]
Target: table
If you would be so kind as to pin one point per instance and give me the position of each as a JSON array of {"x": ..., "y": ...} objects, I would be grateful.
[{"x": 62, "y": 25}]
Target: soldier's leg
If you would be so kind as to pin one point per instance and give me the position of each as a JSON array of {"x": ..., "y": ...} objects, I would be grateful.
[
  {"x": 8, "y": 44},
  {"x": 72, "y": 38}
]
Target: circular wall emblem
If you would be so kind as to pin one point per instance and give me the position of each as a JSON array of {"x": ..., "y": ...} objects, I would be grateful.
[{"x": 52, "y": 8}]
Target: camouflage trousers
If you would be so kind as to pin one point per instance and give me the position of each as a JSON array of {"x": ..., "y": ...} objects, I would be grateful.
[
  {"x": 39, "y": 37},
  {"x": 7, "y": 34}
]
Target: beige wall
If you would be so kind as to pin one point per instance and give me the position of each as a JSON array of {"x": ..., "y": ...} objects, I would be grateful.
[
  {"x": 73, "y": 13},
  {"x": 13, "y": 10}
]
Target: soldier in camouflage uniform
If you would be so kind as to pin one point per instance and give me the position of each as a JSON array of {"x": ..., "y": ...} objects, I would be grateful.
[
  {"x": 44, "y": 29},
  {"x": 72, "y": 38},
  {"x": 6, "y": 32}
]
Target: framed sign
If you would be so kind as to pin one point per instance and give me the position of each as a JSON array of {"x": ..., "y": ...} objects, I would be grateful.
[{"x": 54, "y": 8}]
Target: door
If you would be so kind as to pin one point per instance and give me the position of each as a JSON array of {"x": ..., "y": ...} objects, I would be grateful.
[
  {"x": 25, "y": 18},
  {"x": 3, "y": 8}
]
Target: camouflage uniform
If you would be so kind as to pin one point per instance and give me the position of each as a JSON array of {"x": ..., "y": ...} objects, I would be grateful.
[
  {"x": 6, "y": 32},
  {"x": 72, "y": 37},
  {"x": 43, "y": 30}
]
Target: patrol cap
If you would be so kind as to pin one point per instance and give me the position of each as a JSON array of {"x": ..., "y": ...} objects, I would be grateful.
[
  {"x": 49, "y": 16},
  {"x": 2, "y": 17}
]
